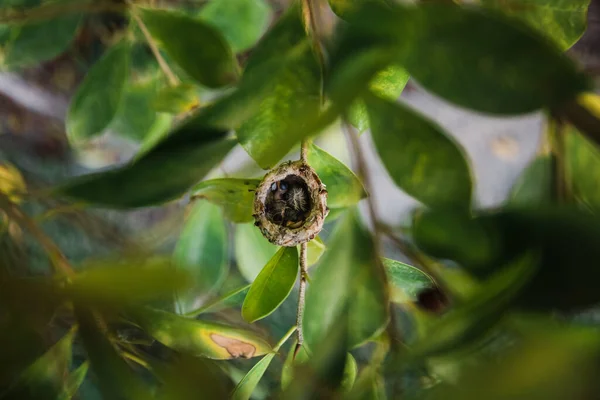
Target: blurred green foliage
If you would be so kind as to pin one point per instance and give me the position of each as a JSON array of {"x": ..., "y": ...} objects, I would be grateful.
[{"x": 482, "y": 306}]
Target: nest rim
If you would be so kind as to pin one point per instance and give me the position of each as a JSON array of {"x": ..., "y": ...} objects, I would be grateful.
[{"x": 313, "y": 223}]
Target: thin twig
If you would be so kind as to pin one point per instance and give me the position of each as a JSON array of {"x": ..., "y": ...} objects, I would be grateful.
[
  {"x": 310, "y": 18},
  {"x": 304, "y": 151},
  {"x": 57, "y": 258},
  {"x": 173, "y": 80},
  {"x": 54, "y": 10},
  {"x": 362, "y": 171},
  {"x": 301, "y": 297},
  {"x": 556, "y": 139}
]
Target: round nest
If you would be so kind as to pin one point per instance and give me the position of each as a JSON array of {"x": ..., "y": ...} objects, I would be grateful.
[{"x": 290, "y": 204}]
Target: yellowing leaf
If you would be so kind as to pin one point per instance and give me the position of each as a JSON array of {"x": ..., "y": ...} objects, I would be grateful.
[
  {"x": 201, "y": 338},
  {"x": 12, "y": 184}
]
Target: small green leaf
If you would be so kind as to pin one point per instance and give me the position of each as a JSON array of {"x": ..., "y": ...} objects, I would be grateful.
[
  {"x": 479, "y": 313},
  {"x": 421, "y": 159},
  {"x": 534, "y": 186},
  {"x": 583, "y": 169},
  {"x": 293, "y": 101},
  {"x": 98, "y": 98},
  {"x": 199, "y": 50},
  {"x": 136, "y": 119},
  {"x": 252, "y": 250},
  {"x": 315, "y": 248},
  {"x": 202, "y": 251},
  {"x": 272, "y": 285},
  {"x": 176, "y": 99},
  {"x": 345, "y": 8},
  {"x": 564, "y": 21},
  {"x": 235, "y": 196},
  {"x": 406, "y": 281},
  {"x": 130, "y": 281},
  {"x": 201, "y": 338},
  {"x": 388, "y": 84},
  {"x": 116, "y": 379},
  {"x": 345, "y": 279},
  {"x": 162, "y": 173},
  {"x": 343, "y": 187},
  {"x": 242, "y": 22},
  {"x": 33, "y": 43},
  {"x": 287, "y": 372},
  {"x": 232, "y": 298},
  {"x": 350, "y": 371},
  {"x": 246, "y": 386},
  {"x": 74, "y": 381},
  {"x": 44, "y": 378}
]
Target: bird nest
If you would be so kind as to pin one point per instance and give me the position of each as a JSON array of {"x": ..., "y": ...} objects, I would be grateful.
[{"x": 290, "y": 204}]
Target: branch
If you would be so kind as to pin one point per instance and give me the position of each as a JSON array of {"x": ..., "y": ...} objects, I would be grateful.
[
  {"x": 301, "y": 297},
  {"x": 379, "y": 269},
  {"x": 57, "y": 258},
  {"x": 173, "y": 80}
]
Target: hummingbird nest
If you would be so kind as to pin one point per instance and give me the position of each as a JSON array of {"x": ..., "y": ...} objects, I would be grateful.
[{"x": 290, "y": 204}]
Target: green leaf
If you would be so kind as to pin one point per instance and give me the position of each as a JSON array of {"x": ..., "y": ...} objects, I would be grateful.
[
  {"x": 460, "y": 53},
  {"x": 583, "y": 169},
  {"x": 115, "y": 378},
  {"x": 252, "y": 250},
  {"x": 548, "y": 350},
  {"x": 232, "y": 298},
  {"x": 199, "y": 50},
  {"x": 406, "y": 281},
  {"x": 201, "y": 338},
  {"x": 563, "y": 21},
  {"x": 98, "y": 98},
  {"x": 345, "y": 279},
  {"x": 482, "y": 53},
  {"x": 345, "y": 8},
  {"x": 285, "y": 114},
  {"x": 242, "y": 22},
  {"x": 175, "y": 99},
  {"x": 566, "y": 239},
  {"x": 33, "y": 43},
  {"x": 44, "y": 378},
  {"x": 421, "y": 159},
  {"x": 272, "y": 286},
  {"x": 202, "y": 251},
  {"x": 343, "y": 187},
  {"x": 246, "y": 386},
  {"x": 162, "y": 173},
  {"x": 388, "y": 84},
  {"x": 74, "y": 381},
  {"x": 475, "y": 317},
  {"x": 315, "y": 249},
  {"x": 350, "y": 372},
  {"x": 136, "y": 119},
  {"x": 534, "y": 186},
  {"x": 131, "y": 281},
  {"x": 235, "y": 196},
  {"x": 287, "y": 372}
]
